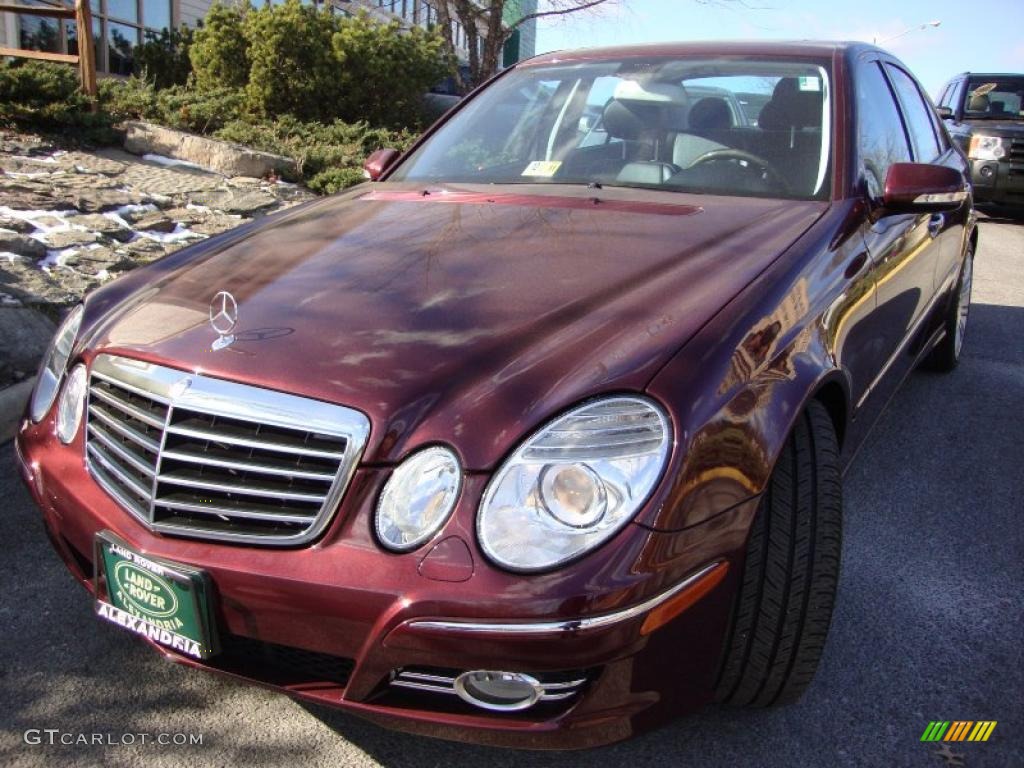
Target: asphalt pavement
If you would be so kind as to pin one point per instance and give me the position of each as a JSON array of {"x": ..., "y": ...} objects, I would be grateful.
[{"x": 929, "y": 623}]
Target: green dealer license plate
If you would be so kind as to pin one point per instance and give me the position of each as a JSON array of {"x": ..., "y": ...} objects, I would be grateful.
[{"x": 165, "y": 602}]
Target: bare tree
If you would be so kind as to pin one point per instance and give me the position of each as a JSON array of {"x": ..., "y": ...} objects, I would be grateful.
[{"x": 486, "y": 32}]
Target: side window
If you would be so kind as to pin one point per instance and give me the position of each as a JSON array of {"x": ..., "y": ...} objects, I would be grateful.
[
  {"x": 881, "y": 140},
  {"x": 944, "y": 97},
  {"x": 918, "y": 114},
  {"x": 955, "y": 95}
]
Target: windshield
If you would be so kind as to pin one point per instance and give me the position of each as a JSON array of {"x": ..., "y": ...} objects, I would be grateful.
[
  {"x": 728, "y": 126},
  {"x": 998, "y": 98}
]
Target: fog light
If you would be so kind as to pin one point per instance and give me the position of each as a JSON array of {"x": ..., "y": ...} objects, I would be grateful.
[
  {"x": 498, "y": 691},
  {"x": 986, "y": 171}
]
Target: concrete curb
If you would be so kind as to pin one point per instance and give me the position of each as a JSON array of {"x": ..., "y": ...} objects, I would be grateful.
[
  {"x": 12, "y": 406},
  {"x": 220, "y": 156}
]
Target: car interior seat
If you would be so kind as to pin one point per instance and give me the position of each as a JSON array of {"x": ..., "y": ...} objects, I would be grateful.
[
  {"x": 978, "y": 103},
  {"x": 708, "y": 118},
  {"x": 791, "y": 127},
  {"x": 639, "y": 118}
]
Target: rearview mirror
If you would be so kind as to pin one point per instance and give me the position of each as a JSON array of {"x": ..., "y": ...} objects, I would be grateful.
[
  {"x": 377, "y": 163},
  {"x": 945, "y": 113},
  {"x": 923, "y": 187}
]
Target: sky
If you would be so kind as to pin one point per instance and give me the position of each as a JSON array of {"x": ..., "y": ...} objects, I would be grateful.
[{"x": 977, "y": 35}]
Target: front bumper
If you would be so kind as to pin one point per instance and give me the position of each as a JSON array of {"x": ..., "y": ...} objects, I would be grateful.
[
  {"x": 349, "y": 617},
  {"x": 998, "y": 182}
]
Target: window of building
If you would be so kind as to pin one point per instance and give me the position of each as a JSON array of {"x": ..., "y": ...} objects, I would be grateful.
[{"x": 118, "y": 26}]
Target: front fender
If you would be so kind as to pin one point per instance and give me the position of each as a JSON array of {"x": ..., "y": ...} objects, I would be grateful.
[{"x": 736, "y": 390}]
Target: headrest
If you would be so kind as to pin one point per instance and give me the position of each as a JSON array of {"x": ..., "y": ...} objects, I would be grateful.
[
  {"x": 978, "y": 103},
  {"x": 709, "y": 114},
  {"x": 629, "y": 120},
  {"x": 791, "y": 107}
]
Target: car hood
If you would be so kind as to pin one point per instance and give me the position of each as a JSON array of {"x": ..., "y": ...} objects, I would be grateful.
[
  {"x": 462, "y": 315},
  {"x": 1010, "y": 128}
]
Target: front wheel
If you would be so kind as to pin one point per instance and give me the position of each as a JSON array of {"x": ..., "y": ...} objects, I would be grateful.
[
  {"x": 784, "y": 607},
  {"x": 946, "y": 355}
]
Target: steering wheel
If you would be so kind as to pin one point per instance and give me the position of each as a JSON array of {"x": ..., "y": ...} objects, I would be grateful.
[{"x": 739, "y": 154}]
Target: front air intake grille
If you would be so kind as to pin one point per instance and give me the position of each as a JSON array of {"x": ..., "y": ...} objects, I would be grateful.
[
  {"x": 1016, "y": 151},
  {"x": 280, "y": 664},
  {"x": 202, "y": 457}
]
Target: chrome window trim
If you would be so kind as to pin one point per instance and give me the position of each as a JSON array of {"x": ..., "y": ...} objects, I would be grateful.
[
  {"x": 569, "y": 626},
  {"x": 218, "y": 397}
]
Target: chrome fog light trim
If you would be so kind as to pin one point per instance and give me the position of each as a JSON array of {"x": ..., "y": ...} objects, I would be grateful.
[{"x": 498, "y": 691}]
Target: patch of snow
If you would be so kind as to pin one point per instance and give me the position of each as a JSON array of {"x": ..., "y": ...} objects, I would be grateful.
[
  {"x": 11, "y": 257},
  {"x": 197, "y": 207},
  {"x": 7, "y": 300},
  {"x": 38, "y": 158},
  {"x": 174, "y": 162},
  {"x": 118, "y": 215},
  {"x": 180, "y": 233},
  {"x": 32, "y": 216},
  {"x": 103, "y": 275},
  {"x": 36, "y": 175},
  {"x": 57, "y": 258}
]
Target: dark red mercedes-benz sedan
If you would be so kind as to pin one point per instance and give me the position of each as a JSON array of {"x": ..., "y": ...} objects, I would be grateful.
[{"x": 537, "y": 438}]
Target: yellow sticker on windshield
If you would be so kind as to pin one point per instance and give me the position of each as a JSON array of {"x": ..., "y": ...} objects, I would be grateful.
[{"x": 543, "y": 168}]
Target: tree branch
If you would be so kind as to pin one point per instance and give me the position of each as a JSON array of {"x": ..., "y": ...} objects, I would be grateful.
[{"x": 558, "y": 11}]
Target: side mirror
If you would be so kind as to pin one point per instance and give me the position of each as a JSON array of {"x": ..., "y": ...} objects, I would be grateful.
[
  {"x": 377, "y": 163},
  {"x": 923, "y": 187},
  {"x": 945, "y": 113}
]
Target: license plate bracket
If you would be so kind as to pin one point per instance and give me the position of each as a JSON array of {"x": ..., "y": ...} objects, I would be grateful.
[{"x": 165, "y": 601}]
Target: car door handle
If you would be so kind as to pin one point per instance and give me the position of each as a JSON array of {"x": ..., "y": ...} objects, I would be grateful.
[
  {"x": 856, "y": 265},
  {"x": 936, "y": 223}
]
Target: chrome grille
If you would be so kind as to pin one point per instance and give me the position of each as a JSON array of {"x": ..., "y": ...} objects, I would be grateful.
[
  {"x": 1016, "y": 151},
  {"x": 206, "y": 458}
]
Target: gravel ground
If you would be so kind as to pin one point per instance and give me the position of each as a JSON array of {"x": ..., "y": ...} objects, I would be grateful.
[{"x": 928, "y": 623}]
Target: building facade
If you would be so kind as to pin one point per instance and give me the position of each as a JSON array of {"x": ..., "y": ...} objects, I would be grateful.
[{"x": 120, "y": 25}]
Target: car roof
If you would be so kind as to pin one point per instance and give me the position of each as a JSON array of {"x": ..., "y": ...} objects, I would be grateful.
[
  {"x": 991, "y": 74},
  {"x": 799, "y": 48}
]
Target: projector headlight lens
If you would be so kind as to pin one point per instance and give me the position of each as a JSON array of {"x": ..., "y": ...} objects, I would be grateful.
[{"x": 574, "y": 484}]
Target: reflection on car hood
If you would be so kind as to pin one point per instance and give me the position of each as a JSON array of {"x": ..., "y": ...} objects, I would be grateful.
[
  {"x": 465, "y": 316},
  {"x": 1013, "y": 128}
]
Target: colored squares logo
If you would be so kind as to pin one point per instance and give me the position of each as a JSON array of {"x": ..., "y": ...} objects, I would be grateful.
[{"x": 958, "y": 730}]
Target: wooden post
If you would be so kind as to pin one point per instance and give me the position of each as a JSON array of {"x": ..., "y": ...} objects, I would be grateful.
[
  {"x": 86, "y": 49},
  {"x": 86, "y": 58}
]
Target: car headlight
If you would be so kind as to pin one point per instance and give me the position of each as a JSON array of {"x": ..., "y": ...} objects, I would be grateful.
[
  {"x": 986, "y": 148},
  {"x": 54, "y": 364},
  {"x": 72, "y": 404},
  {"x": 417, "y": 499},
  {"x": 574, "y": 484}
]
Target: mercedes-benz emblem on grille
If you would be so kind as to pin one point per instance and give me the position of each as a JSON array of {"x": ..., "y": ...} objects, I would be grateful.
[{"x": 223, "y": 318}]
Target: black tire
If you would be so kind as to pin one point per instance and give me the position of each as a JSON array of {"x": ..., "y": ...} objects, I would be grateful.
[
  {"x": 946, "y": 355},
  {"x": 784, "y": 607}
]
